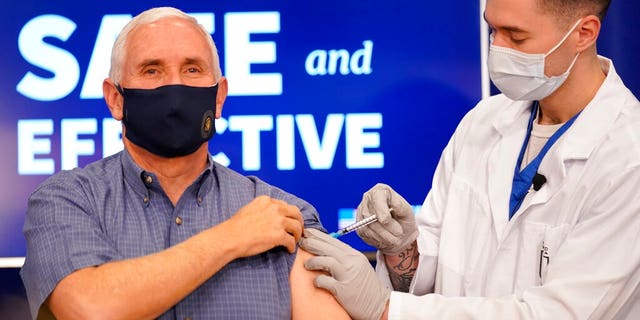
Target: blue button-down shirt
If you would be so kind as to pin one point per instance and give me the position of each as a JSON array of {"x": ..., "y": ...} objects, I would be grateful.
[{"x": 113, "y": 210}]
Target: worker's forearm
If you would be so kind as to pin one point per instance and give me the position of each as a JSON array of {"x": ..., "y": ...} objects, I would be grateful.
[{"x": 402, "y": 267}]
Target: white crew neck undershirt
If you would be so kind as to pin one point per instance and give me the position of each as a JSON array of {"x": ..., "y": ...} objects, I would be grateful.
[{"x": 540, "y": 134}]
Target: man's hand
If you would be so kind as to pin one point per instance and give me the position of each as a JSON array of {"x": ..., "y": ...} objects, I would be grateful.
[
  {"x": 396, "y": 226},
  {"x": 351, "y": 278},
  {"x": 263, "y": 224}
]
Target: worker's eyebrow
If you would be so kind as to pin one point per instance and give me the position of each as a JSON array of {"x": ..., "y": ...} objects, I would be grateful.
[{"x": 506, "y": 28}]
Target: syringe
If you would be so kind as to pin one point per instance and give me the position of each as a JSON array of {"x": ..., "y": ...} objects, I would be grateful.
[{"x": 355, "y": 226}]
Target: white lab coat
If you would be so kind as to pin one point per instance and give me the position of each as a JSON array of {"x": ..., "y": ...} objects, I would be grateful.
[{"x": 475, "y": 263}]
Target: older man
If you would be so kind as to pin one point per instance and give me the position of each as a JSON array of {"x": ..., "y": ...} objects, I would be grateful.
[{"x": 160, "y": 230}]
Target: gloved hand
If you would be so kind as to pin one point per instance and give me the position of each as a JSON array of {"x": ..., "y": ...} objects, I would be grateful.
[
  {"x": 352, "y": 279},
  {"x": 396, "y": 226}
]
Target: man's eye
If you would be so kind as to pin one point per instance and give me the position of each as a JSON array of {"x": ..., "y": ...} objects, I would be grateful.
[
  {"x": 193, "y": 70},
  {"x": 151, "y": 71}
]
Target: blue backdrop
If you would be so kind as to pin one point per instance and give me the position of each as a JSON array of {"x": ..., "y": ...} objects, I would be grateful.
[
  {"x": 322, "y": 127},
  {"x": 327, "y": 97}
]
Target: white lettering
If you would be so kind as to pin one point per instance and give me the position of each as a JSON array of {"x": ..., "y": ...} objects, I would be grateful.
[
  {"x": 221, "y": 157},
  {"x": 111, "y": 137},
  {"x": 29, "y": 147},
  {"x": 316, "y": 63},
  {"x": 71, "y": 146},
  {"x": 241, "y": 52},
  {"x": 363, "y": 55},
  {"x": 206, "y": 19},
  {"x": 341, "y": 55},
  {"x": 285, "y": 148},
  {"x": 101, "y": 57},
  {"x": 323, "y": 62},
  {"x": 320, "y": 153},
  {"x": 63, "y": 65},
  {"x": 357, "y": 140},
  {"x": 251, "y": 126},
  {"x": 78, "y": 138}
]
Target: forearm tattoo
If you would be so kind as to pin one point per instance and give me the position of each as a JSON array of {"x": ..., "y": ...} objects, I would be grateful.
[{"x": 403, "y": 267}]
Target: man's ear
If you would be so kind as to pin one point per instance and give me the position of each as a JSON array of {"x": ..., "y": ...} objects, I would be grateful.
[
  {"x": 113, "y": 98},
  {"x": 588, "y": 32},
  {"x": 221, "y": 96}
]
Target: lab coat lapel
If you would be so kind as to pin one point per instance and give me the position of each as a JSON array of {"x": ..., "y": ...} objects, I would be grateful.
[
  {"x": 580, "y": 140},
  {"x": 502, "y": 160}
]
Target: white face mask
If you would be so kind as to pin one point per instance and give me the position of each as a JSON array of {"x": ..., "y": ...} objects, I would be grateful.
[{"x": 520, "y": 76}]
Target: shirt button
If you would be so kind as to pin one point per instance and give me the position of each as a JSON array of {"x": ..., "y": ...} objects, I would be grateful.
[
  {"x": 145, "y": 199},
  {"x": 178, "y": 220},
  {"x": 148, "y": 180},
  {"x": 187, "y": 318},
  {"x": 199, "y": 200}
]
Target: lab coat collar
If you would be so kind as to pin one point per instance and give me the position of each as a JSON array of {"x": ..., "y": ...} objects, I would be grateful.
[
  {"x": 585, "y": 134},
  {"x": 576, "y": 144}
]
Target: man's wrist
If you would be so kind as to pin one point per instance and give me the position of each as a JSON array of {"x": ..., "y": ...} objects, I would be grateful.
[{"x": 402, "y": 267}]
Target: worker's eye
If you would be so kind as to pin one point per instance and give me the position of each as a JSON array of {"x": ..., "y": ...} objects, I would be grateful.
[{"x": 517, "y": 40}]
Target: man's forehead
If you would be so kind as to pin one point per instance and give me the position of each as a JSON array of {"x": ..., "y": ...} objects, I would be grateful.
[
  {"x": 513, "y": 15},
  {"x": 187, "y": 41},
  {"x": 163, "y": 26},
  {"x": 184, "y": 60}
]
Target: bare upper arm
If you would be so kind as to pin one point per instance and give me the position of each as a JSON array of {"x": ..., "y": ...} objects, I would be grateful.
[{"x": 307, "y": 301}]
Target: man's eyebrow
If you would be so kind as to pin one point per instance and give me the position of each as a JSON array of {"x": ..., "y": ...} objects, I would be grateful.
[
  {"x": 149, "y": 62},
  {"x": 513, "y": 29},
  {"x": 506, "y": 28},
  {"x": 198, "y": 61}
]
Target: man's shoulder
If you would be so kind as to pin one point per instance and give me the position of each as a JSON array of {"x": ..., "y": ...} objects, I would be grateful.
[
  {"x": 494, "y": 111},
  {"x": 245, "y": 188},
  {"x": 232, "y": 179},
  {"x": 228, "y": 176},
  {"x": 497, "y": 106}
]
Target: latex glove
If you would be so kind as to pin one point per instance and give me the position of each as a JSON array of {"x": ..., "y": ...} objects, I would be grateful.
[
  {"x": 351, "y": 279},
  {"x": 396, "y": 226}
]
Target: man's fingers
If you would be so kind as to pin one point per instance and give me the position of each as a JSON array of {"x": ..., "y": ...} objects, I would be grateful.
[
  {"x": 293, "y": 227},
  {"x": 290, "y": 243},
  {"x": 288, "y": 211}
]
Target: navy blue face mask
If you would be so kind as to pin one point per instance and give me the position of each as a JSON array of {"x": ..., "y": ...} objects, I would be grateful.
[{"x": 169, "y": 121}]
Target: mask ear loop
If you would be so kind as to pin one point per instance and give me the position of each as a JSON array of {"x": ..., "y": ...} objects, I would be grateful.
[
  {"x": 563, "y": 38},
  {"x": 560, "y": 43},
  {"x": 120, "y": 89},
  {"x": 124, "y": 110}
]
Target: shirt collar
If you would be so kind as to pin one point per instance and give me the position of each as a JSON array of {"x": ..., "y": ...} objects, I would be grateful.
[{"x": 141, "y": 181}]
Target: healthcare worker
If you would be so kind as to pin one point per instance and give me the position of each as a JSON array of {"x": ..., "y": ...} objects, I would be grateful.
[{"x": 534, "y": 211}]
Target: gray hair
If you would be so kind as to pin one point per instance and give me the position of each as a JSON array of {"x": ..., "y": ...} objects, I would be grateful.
[{"x": 148, "y": 17}]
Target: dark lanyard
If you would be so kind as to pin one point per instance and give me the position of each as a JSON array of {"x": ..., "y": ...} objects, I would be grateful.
[{"x": 522, "y": 179}]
